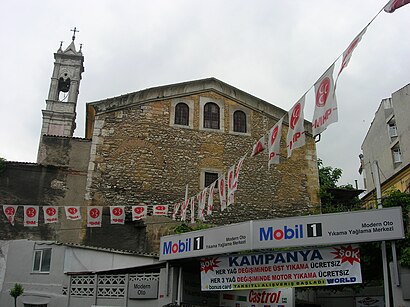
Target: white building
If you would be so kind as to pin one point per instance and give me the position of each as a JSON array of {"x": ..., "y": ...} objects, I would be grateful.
[{"x": 388, "y": 142}]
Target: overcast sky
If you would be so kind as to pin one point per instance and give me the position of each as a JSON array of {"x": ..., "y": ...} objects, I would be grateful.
[{"x": 272, "y": 49}]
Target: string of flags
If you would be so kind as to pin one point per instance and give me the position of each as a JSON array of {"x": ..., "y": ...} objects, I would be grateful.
[{"x": 325, "y": 114}]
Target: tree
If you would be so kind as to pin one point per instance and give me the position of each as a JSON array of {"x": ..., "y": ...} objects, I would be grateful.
[
  {"x": 16, "y": 291},
  {"x": 2, "y": 164}
]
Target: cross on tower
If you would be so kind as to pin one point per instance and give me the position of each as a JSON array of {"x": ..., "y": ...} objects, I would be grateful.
[{"x": 75, "y": 30}]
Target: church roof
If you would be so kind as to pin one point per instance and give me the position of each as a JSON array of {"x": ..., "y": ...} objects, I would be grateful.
[{"x": 179, "y": 90}]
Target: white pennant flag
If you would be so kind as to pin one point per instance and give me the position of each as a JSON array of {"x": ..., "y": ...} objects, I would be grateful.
[
  {"x": 211, "y": 198},
  {"x": 10, "y": 212},
  {"x": 296, "y": 132},
  {"x": 72, "y": 213},
  {"x": 222, "y": 192},
  {"x": 237, "y": 171},
  {"x": 160, "y": 210},
  {"x": 201, "y": 204},
  {"x": 325, "y": 103},
  {"x": 50, "y": 214},
  {"x": 94, "y": 216},
  {"x": 184, "y": 210},
  {"x": 347, "y": 54},
  {"x": 30, "y": 216},
  {"x": 231, "y": 186},
  {"x": 259, "y": 146},
  {"x": 275, "y": 134},
  {"x": 117, "y": 214},
  {"x": 192, "y": 210},
  {"x": 175, "y": 211},
  {"x": 139, "y": 212}
]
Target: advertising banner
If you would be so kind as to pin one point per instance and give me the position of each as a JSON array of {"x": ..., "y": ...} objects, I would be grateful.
[
  {"x": 274, "y": 297},
  {"x": 339, "y": 265}
]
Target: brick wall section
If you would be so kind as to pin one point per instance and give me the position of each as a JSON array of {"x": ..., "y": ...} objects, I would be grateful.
[{"x": 138, "y": 157}]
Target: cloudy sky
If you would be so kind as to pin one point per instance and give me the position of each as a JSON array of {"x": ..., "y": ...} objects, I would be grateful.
[{"x": 272, "y": 49}]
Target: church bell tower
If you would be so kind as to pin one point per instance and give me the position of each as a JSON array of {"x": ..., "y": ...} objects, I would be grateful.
[{"x": 60, "y": 113}]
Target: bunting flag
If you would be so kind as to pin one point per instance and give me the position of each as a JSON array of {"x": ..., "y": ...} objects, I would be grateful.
[
  {"x": 275, "y": 134},
  {"x": 10, "y": 212},
  {"x": 296, "y": 131},
  {"x": 210, "y": 205},
  {"x": 201, "y": 209},
  {"x": 259, "y": 146},
  {"x": 325, "y": 104},
  {"x": 30, "y": 216},
  {"x": 184, "y": 209},
  {"x": 222, "y": 192},
  {"x": 50, "y": 214},
  {"x": 94, "y": 216},
  {"x": 117, "y": 214},
  {"x": 231, "y": 186},
  {"x": 347, "y": 54},
  {"x": 73, "y": 213},
  {"x": 192, "y": 210},
  {"x": 139, "y": 212},
  {"x": 237, "y": 171},
  {"x": 175, "y": 211},
  {"x": 393, "y": 5},
  {"x": 160, "y": 210}
]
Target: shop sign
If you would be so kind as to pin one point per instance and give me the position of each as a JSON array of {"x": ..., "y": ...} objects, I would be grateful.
[
  {"x": 258, "y": 298},
  {"x": 338, "y": 265},
  {"x": 143, "y": 289}
]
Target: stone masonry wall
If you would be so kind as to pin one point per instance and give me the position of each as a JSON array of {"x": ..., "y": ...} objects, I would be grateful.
[{"x": 137, "y": 157}]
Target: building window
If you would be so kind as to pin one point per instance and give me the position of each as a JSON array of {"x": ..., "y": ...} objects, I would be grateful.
[
  {"x": 392, "y": 129},
  {"x": 210, "y": 178},
  {"x": 35, "y": 305},
  {"x": 211, "y": 116},
  {"x": 239, "y": 121},
  {"x": 42, "y": 260},
  {"x": 181, "y": 114},
  {"x": 396, "y": 155}
]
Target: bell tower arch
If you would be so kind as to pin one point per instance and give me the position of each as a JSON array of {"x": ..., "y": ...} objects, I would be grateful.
[{"x": 60, "y": 113}]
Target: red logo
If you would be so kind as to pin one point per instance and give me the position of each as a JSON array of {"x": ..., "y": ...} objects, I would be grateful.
[
  {"x": 347, "y": 254},
  {"x": 9, "y": 211},
  {"x": 117, "y": 211},
  {"x": 274, "y": 135},
  {"x": 209, "y": 264},
  {"x": 139, "y": 210},
  {"x": 94, "y": 213},
  {"x": 31, "y": 212},
  {"x": 160, "y": 208},
  {"x": 323, "y": 92},
  {"x": 51, "y": 211},
  {"x": 295, "y": 116},
  {"x": 72, "y": 210}
]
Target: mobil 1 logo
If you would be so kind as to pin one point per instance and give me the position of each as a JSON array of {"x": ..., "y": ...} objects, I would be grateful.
[
  {"x": 198, "y": 243},
  {"x": 314, "y": 230}
]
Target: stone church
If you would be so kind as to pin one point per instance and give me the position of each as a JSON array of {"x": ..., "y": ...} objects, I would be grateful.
[{"x": 146, "y": 147}]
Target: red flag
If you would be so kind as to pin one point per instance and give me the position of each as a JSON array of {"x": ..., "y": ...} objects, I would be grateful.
[
  {"x": 326, "y": 104},
  {"x": 94, "y": 216},
  {"x": 117, "y": 214},
  {"x": 184, "y": 209},
  {"x": 393, "y": 5},
  {"x": 211, "y": 198},
  {"x": 139, "y": 212},
  {"x": 73, "y": 213},
  {"x": 50, "y": 214},
  {"x": 10, "y": 212},
  {"x": 175, "y": 211},
  {"x": 30, "y": 215},
  {"x": 259, "y": 146},
  {"x": 296, "y": 131}
]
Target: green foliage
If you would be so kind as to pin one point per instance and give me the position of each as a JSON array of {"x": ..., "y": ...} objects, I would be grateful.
[
  {"x": 328, "y": 178},
  {"x": 182, "y": 228},
  {"x": 16, "y": 291},
  {"x": 2, "y": 164}
]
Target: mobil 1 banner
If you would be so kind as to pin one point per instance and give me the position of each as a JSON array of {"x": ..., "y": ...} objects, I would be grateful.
[
  {"x": 328, "y": 229},
  {"x": 218, "y": 240},
  {"x": 300, "y": 268}
]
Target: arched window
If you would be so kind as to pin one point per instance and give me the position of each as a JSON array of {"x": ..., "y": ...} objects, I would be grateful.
[
  {"x": 181, "y": 114},
  {"x": 239, "y": 121},
  {"x": 211, "y": 115}
]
